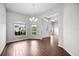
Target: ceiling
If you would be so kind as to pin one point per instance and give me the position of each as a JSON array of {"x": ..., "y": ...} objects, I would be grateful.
[{"x": 31, "y": 9}]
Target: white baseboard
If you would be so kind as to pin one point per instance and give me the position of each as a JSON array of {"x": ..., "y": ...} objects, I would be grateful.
[
  {"x": 2, "y": 49},
  {"x": 68, "y": 51}
]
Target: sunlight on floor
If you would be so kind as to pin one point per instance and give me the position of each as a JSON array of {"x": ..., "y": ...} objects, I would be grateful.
[
  {"x": 20, "y": 48},
  {"x": 34, "y": 48}
]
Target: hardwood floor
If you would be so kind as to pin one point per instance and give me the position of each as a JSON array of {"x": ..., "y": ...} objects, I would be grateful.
[{"x": 32, "y": 47}]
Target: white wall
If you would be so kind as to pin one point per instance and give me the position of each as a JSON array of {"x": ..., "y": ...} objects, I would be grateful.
[
  {"x": 68, "y": 22},
  {"x": 12, "y": 18},
  {"x": 46, "y": 26},
  {"x": 2, "y": 27},
  {"x": 59, "y": 24},
  {"x": 42, "y": 30},
  {"x": 39, "y": 29},
  {"x": 71, "y": 28}
]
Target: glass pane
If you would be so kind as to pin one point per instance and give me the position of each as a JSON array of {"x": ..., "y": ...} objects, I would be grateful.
[
  {"x": 20, "y": 29},
  {"x": 34, "y": 29}
]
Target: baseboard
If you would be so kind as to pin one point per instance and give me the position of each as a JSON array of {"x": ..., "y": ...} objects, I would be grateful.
[
  {"x": 68, "y": 51},
  {"x": 46, "y": 38},
  {"x": 22, "y": 40},
  {"x": 27, "y": 39},
  {"x": 3, "y": 50},
  {"x": 65, "y": 49},
  {"x": 60, "y": 45}
]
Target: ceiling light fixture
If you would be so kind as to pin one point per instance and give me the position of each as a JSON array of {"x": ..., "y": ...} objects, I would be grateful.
[{"x": 33, "y": 18}]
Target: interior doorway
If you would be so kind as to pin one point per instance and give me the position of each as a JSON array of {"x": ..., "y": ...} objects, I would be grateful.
[
  {"x": 54, "y": 33},
  {"x": 52, "y": 28}
]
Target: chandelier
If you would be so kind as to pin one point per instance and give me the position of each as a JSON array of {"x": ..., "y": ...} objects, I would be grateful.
[{"x": 33, "y": 19}]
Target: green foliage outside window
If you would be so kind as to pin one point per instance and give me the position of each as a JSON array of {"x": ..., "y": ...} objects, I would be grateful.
[{"x": 34, "y": 31}]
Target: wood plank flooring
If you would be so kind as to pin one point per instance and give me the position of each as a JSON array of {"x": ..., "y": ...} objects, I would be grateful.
[{"x": 32, "y": 47}]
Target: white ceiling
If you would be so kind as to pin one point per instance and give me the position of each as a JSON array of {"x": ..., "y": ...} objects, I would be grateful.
[{"x": 31, "y": 9}]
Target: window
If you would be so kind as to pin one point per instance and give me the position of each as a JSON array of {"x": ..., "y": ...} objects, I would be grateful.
[
  {"x": 34, "y": 29},
  {"x": 20, "y": 28}
]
